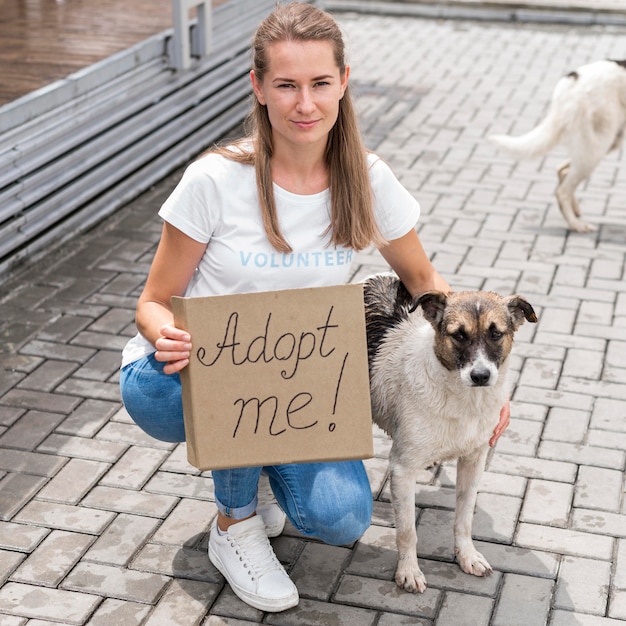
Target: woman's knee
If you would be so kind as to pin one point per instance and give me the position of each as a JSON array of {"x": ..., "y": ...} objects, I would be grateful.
[
  {"x": 153, "y": 400},
  {"x": 344, "y": 524},
  {"x": 337, "y": 507}
]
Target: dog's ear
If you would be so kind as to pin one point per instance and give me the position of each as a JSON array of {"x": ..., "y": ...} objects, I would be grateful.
[
  {"x": 520, "y": 310},
  {"x": 433, "y": 304}
]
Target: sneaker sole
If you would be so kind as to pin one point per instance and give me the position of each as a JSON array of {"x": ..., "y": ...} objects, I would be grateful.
[
  {"x": 263, "y": 604},
  {"x": 275, "y": 529}
]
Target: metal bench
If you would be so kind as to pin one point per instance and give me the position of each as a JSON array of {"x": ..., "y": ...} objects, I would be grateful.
[{"x": 77, "y": 150}]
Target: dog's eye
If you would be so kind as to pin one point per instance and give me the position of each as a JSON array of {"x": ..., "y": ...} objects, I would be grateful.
[
  {"x": 459, "y": 335},
  {"x": 495, "y": 334}
]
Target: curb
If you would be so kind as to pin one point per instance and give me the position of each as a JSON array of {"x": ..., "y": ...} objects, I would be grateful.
[{"x": 484, "y": 11}]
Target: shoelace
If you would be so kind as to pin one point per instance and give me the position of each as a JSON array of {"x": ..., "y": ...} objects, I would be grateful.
[{"x": 255, "y": 551}]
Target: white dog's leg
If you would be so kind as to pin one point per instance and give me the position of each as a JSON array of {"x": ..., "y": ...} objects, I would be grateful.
[
  {"x": 562, "y": 173},
  {"x": 408, "y": 573},
  {"x": 567, "y": 201},
  {"x": 469, "y": 472}
]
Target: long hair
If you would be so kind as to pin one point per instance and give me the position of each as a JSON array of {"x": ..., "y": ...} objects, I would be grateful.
[{"x": 352, "y": 215}]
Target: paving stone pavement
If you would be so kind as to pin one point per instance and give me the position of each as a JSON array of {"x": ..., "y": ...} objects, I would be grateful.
[{"x": 101, "y": 525}]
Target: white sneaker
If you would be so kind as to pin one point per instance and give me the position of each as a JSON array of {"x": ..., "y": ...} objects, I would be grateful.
[
  {"x": 267, "y": 507},
  {"x": 244, "y": 556}
]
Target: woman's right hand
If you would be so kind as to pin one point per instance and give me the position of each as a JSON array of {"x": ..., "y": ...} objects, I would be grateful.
[{"x": 173, "y": 347}]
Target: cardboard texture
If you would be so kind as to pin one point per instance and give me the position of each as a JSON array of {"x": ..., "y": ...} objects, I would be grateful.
[{"x": 276, "y": 377}]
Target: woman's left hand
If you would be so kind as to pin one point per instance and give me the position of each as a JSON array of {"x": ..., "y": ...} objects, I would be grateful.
[{"x": 505, "y": 420}]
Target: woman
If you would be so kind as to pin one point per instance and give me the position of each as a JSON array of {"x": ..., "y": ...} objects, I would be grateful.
[{"x": 302, "y": 182}]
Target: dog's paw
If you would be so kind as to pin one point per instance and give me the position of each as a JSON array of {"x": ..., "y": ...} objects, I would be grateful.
[
  {"x": 410, "y": 579},
  {"x": 473, "y": 562},
  {"x": 581, "y": 227}
]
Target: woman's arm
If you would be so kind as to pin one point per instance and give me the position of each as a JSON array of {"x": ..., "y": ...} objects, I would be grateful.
[
  {"x": 173, "y": 266},
  {"x": 409, "y": 261}
]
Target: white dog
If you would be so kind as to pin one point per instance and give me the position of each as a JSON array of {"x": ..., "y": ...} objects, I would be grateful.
[
  {"x": 438, "y": 370},
  {"x": 587, "y": 115}
]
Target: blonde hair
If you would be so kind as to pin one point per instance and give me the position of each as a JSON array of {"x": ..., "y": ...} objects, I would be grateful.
[{"x": 352, "y": 215}]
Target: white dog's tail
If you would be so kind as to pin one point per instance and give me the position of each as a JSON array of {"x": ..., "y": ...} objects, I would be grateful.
[{"x": 543, "y": 137}]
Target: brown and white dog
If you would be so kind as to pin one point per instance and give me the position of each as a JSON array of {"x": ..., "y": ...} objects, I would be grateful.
[
  {"x": 587, "y": 114},
  {"x": 438, "y": 379}
]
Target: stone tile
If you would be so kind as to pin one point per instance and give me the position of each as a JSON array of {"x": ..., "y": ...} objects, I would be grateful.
[
  {"x": 540, "y": 373},
  {"x": 95, "y": 389},
  {"x": 182, "y": 485},
  {"x": 599, "y": 522},
  {"x": 135, "y": 467},
  {"x": 64, "y": 517},
  {"x": 113, "y": 321},
  {"x": 189, "y": 519},
  {"x": 88, "y": 418},
  {"x": 40, "y": 401},
  {"x": 384, "y": 595},
  {"x": 608, "y": 414},
  {"x": 119, "y": 613},
  {"x": 547, "y": 502},
  {"x": 14, "y": 620},
  {"x": 17, "y": 490},
  {"x": 606, "y": 439},
  {"x": 395, "y": 619},
  {"x": 451, "y": 577},
  {"x": 532, "y": 467},
  {"x": 53, "y": 350},
  {"x": 617, "y": 608},
  {"x": 564, "y": 541},
  {"x": 132, "y": 434},
  {"x": 33, "y": 462},
  {"x": 376, "y": 469},
  {"x": 53, "y": 559},
  {"x": 551, "y": 397},
  {"x": 83, "y": 448},
  {"x": 317, "y": 570},
  {"x": 589, "y": 496},
  {"x": 619, "y": 580},
  {"x": 375, "y": 554},
  {"x": 465, "y": 610},
  {"x": 582, "y": 455},
  {"x": 177, "y": 561},
  {"x": 101, "y": 341},
  {"x": 177, "y": 461},
  {"x": 41, "y": 603},
  {"x": 567, "y": 425},
  {"x": 30, "y": 430},
  {"x": 100, "y": 366},
  {"x": 184, "y": 602},
  {"x": 533, "y": 594},
  {"x": 521, "y": 437},
  {"x": 122, "y": 539},
  {"x": 64, "y": 328},
  {"x": 115, "y": 582},
  {"x": 495, "y": 517},
  {"x": 129, "y": 501},
  {"x": 10, "y": 414},
  {"x": 21, "y": 537},
  {"x": 9, "y": 561},
  {"x": 47, "y": 376},
  {"x": 74, "y": 480},
  {"x": 435, "y": 536},
  {"x": 582, "y": 585}
]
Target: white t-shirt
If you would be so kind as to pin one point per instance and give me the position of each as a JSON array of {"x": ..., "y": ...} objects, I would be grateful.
[{"x": 216, "y": 203}]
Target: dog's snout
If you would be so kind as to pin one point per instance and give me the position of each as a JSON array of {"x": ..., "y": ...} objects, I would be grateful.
[{"x": 480, "y": 376}]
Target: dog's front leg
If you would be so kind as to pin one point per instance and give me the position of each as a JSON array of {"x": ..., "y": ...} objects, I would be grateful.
[
  {"x": 469, "y": 472},
  {"x": 408, "y": 573}
]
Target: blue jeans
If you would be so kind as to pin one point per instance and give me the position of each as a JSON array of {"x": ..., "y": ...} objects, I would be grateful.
[{"x": 329, "y": 501}]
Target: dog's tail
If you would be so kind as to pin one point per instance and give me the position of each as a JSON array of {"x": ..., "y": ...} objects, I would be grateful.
[{"x": 541, "y": 139}]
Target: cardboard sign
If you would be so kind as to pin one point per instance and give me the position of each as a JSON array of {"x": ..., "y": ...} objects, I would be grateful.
[{"x": 276, "y": 377}]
